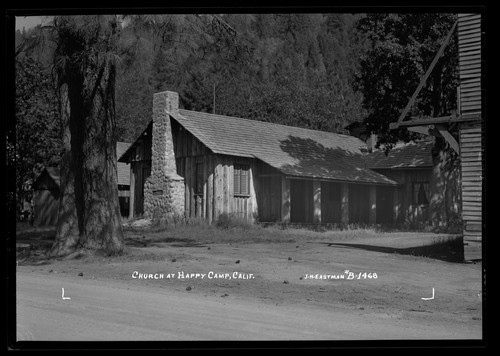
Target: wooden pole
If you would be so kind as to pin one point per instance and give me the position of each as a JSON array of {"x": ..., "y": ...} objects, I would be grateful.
[
  {"x": 285, "y": 200},
  {"x": 317, "y": 201},
  {"x": 344, "y": 203}
]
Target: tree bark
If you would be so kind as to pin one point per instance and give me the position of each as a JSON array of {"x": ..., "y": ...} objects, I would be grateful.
[
  {"x": 102, "y": 220},
  {"x": 67, "y": 224},
  {"x": 89, "y": 212}
]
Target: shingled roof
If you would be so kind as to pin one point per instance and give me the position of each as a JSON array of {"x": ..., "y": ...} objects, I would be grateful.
[
  {"x": 410, "y": 155},
  {"x": 293, "y": 151}
]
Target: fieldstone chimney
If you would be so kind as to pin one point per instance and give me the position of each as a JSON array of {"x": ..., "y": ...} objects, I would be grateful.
[{"x": 164, "y": 189}]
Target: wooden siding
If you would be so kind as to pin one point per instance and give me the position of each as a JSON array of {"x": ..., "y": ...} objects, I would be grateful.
[
  {"x": 217, "y": 196},
  {"x": 405, "y": 211},
  {"x": 140, "y": 169},
  {"x": 469, "y": 60},
  {"x": 470, "y": 135},
  {"x": 471, "y": 154}
]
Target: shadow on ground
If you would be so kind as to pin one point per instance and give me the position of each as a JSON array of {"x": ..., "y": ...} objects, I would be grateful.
[
  {"x": 449, "y": 251},
  {"x": 142, "y": 241}
]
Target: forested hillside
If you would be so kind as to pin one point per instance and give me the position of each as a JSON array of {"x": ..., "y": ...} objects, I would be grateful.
[{"x": 294, "y": 69}]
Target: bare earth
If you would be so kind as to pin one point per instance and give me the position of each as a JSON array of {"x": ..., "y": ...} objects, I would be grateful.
[{"x": 249, "y": 291}]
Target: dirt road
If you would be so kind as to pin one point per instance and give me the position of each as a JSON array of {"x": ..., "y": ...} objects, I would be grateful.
[
  {"x": 278, "y": 293},
  {"x": 114, "y": 310}
]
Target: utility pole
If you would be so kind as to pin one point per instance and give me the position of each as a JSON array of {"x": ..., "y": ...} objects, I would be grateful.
[{"x": 213, "y": 106}]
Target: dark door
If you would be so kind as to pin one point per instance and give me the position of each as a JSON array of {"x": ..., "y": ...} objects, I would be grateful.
[
  {"x": 269, "y": 196},
  {"x": 359, "y": 203},
  {"x": 301, "y": 201},
  {"x": 330, "y": 202},
  {"x": 385, "y": 196}
]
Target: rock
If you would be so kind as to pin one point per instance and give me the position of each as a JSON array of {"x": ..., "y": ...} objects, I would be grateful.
[
  {"x": 285, "y": 282},
  {"x": 188, "y": 288},
  {"x": 289, "y": 258},
  {"x": 301, "y": 278},
  {"x": 174, "y": 260},
  {"x": 80, "y": 274},
  {"x": 237, "y": 261}
]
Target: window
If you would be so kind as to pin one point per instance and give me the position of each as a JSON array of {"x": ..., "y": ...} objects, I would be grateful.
[
  {"x": 198, "y": 188},
  {"x": 421, "y": 193},
  {"x": 241, "y": 179}
]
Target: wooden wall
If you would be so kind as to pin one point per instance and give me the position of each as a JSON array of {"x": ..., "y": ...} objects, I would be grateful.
[
  {"x": 140, "y": 169},
  {"x": 407, "y": 211},
  {"x": 330, "y": 202},
  {"x": 268, "y": 191},
  {"x": 359, "y": 203},
  {"x": 471, "y": 157},
  {"x": 470, "y": 135},
  {"x": 217, "y": 195}
]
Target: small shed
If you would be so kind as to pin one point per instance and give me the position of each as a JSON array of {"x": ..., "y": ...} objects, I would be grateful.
[
  {"x": 46, "y": 191},
  {"x": 46, "y": 197}
]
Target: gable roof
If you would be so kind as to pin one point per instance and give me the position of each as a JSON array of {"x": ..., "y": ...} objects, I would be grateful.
[
  {"x": 293, "y": 151},
  {"x": 410, "y": 155}
]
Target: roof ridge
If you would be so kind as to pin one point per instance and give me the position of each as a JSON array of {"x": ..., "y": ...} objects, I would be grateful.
[{"x": 271, "y": 123}]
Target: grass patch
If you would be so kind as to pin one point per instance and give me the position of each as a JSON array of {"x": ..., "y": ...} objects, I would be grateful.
[{"x": 231, "y": 229}]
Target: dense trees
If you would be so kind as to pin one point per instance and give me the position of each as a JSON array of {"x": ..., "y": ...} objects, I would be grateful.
[
  {"x": 402, "y": 46},
  {"x": 294, "y": 69},
  {"x": 37, "y": 140}
]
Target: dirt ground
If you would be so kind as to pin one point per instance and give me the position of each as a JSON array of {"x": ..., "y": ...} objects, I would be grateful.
[{"x": 365, "y": 276}]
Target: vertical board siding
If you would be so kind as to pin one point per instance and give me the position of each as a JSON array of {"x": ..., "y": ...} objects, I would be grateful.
[
  {"x": 471, "y": 155},
  {"x": 225, "y": 185},
  {"x": 470, "y": 135},
  {"x": 469, "y": 48},
  {"x": 404, "y": 208},
  {"x": 210, "y": 189}
]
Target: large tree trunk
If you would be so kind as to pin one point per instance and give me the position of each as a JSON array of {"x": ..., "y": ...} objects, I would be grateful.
[
  {"x": 102, "y": 227},
  {"x": 67, "y": 224},
  {"x": 89, "y": 213}
]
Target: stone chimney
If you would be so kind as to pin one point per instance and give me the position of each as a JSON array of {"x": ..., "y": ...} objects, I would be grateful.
[{"x": 164, "y": 189}]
